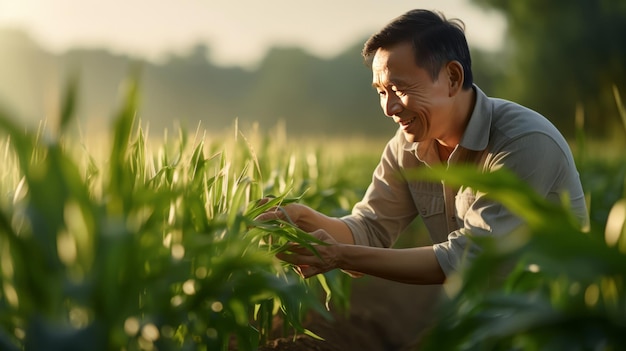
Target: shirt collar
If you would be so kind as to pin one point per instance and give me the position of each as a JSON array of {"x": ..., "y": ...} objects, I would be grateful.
[{"x": 476, "y": 136}]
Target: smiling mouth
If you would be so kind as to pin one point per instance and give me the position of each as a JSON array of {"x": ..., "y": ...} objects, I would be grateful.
[{"x": 407, "y": 123}]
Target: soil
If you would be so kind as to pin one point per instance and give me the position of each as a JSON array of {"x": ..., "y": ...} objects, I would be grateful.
[{"x": 384, "y": 316}]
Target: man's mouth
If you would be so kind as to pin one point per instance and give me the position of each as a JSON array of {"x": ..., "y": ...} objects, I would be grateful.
[{"x": 408, "y": 122}]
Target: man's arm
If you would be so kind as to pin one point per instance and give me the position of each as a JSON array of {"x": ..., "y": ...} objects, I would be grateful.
[
  {"x": 310, "y": 220},
  {"x": 414, "y": 265}
]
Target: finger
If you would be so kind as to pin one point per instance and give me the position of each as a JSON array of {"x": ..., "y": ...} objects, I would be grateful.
[
  {"x": 295, "y": 249},
  {"x": 323, "y": 235},
  {"x": 263, "y": 201},
  {"x": 302, "y": 266},
  {"x": 289, "y": 257},
  {"x": 272, "y": 213},
  {"x": 298, "y": 259},
  {"x": 300, "y": 270}
]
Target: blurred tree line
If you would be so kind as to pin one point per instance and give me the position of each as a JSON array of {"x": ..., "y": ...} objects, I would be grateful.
[
  {"x": 310, "y": 94},
  {"x": 559, "y": 55}
]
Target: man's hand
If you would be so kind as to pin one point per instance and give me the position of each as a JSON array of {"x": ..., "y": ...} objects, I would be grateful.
[
  {"x": 293, "y": 213},
  {"x": 296, "y": 214},
  {"x": 306, "y": 263}
]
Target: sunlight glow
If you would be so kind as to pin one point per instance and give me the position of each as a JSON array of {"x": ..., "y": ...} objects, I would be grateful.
[
  {"x": 178, "y": 251},
  {"x": 235, "y": 32},
  {"x": 217, "y": 307},
  {"x": 592, "y": 295},
  {"x": 534, "y": 268},
  {"x": 189, "y": 287},
  {"x": 79, "y": 317},
  {"x": 131, "y": 326},
  {"x": 66, "y": 248},
  {"x": 10, "y": 294},
  {"x": 176, "y": 300},
  {"x": 201, "y": 272},
  {"x": 150, "y": 332},
  {"x": 6, "y": 266},
  {"x": 615, "y": 224}
]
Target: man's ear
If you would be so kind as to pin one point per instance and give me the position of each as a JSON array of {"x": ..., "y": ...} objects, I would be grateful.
[{"x": 456, "y": 77}]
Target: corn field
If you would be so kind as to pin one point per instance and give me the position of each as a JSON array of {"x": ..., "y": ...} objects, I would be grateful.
[
  {"x": 153, "y": 247},
  {"x": 137, "y": 245}
]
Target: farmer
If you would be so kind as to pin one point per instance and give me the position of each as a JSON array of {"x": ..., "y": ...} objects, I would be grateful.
[{"x": 421, "y": 69}]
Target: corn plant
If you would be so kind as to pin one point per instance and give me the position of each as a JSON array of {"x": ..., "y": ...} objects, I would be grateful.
[{"x": 151, "y": 248}]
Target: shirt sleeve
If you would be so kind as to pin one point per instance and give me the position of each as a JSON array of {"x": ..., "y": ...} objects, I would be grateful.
[
  {"x": 387, "y": 207},
  {"x": 535, "y": 158}
]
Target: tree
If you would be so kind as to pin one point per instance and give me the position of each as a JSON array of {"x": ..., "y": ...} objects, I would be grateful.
[{"x": 563, "y": 53}]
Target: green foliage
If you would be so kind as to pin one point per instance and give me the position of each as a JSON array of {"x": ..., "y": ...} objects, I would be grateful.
[
  {"x": 604, "y": 182},
  {"x": 550, "y": 286},
  {"x": 158, "y": 248},
  {"x": 561, "y": 52}
]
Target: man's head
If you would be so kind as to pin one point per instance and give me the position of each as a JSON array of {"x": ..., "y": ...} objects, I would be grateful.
[{"x": 435, "y": 41}]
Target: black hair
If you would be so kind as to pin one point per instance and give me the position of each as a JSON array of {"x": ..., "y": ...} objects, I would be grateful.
[{"x": 435, "y": 39}]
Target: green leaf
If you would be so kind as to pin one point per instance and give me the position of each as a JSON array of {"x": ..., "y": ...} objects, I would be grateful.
[{"x": 68, "y": 107}]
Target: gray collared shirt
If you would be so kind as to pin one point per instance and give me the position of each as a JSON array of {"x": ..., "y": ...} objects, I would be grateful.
[{"x": 499, "y": 134}]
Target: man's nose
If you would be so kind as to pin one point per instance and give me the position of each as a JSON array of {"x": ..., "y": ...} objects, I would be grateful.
[{"x": 391, "y": 105}]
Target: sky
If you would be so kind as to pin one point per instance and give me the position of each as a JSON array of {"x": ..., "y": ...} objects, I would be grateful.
[{"x": 237, "y": 32}]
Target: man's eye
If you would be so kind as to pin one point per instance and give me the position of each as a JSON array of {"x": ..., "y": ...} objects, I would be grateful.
[{"x": 381, "y": 93}]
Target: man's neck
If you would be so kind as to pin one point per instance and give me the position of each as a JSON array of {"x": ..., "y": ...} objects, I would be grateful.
[{"x": 466, "y": 101}]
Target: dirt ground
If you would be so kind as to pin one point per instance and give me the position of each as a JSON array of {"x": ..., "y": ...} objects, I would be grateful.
[{"x": 385, "y": 316}]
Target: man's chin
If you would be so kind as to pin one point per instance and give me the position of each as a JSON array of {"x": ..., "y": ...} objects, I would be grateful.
[{"x": 410, "y": 137}]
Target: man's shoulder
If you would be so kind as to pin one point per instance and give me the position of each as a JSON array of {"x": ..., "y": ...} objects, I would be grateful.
[
  {"x": 513, "y": 119},
  {"x": 496, "y": 121}
]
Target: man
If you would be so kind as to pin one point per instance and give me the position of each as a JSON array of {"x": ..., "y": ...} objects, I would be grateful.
[{"x": 421, "y": 70}]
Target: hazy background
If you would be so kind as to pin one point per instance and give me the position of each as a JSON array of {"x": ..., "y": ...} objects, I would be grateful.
[{"x": 214, "y": 62}]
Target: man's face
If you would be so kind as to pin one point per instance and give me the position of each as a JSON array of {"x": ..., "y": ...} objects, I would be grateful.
[{"x": 408, "y": 94}]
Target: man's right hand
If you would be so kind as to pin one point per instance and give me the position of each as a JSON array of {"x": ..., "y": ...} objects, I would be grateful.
[
  {"x": 307, "y": 219},
  {"x": 297, "y": 214},
  {"x": 293, "y": 213}
]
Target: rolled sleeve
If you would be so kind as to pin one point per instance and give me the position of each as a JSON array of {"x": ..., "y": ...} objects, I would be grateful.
[
  {"x": 387, "y": 207},
  {"x": 485, "y": 218}
]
